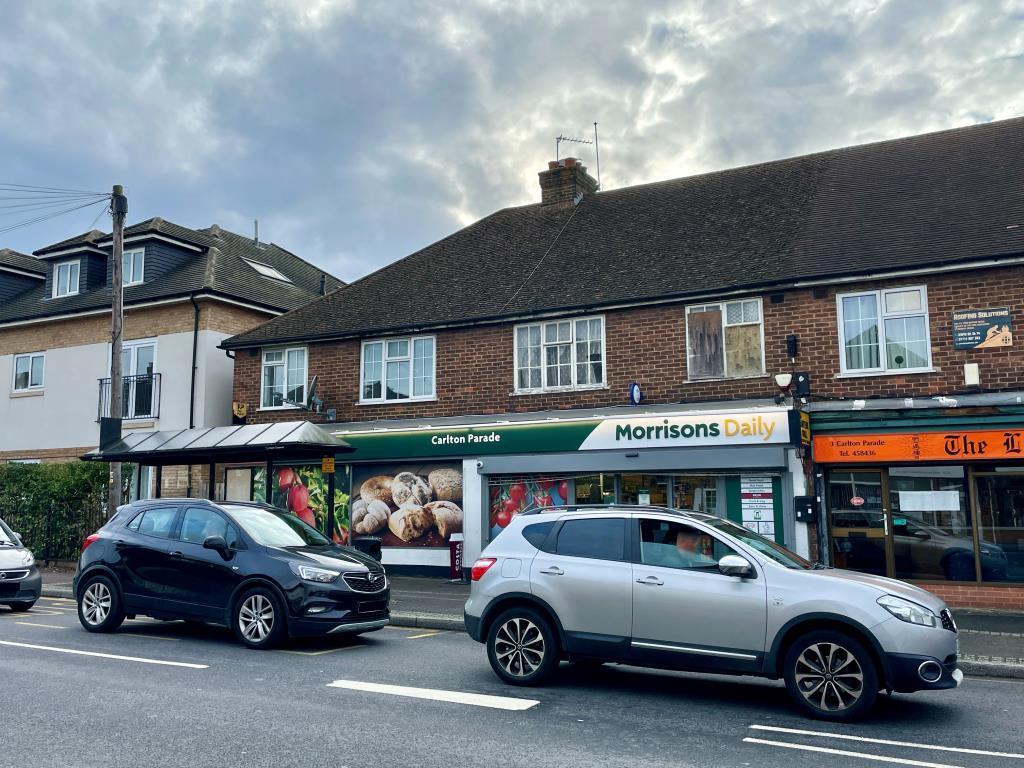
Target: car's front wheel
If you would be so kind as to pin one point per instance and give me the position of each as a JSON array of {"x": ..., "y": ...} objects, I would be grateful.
[
  {"x": 831, "y": 676},
  {"x": 522, "y": 647},
  {"x": 259, "y": 620},
  {"x": 99, "y": 605}
]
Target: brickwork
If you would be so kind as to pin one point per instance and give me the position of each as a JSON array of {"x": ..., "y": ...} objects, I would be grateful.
[
  {"x": 978, "y": 595},
  {"x": 648, "y": 345},
  {"x": 46, "y": 455},
  {"x": 228, "y": 318}
]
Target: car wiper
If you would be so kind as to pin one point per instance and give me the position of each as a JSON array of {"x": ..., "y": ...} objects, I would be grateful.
[{"x": 819, "y": 566}]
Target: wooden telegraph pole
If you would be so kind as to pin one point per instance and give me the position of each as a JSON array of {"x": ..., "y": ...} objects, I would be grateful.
[{"x": 118, "y": 210}]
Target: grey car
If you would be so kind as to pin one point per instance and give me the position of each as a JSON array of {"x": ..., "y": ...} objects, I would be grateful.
[
  {"x": 20, "y": 582},
  {"x": 655, "y": 587}
]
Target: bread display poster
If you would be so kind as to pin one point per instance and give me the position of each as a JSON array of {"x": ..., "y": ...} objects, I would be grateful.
[
  {"x": 407, "y": 505},
  {"x": 302, "y": 490}
]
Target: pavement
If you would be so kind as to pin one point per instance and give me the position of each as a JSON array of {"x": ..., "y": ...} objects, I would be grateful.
[
  {"x": 174, "y": 695},
  {"x": 991, "y": 642}
]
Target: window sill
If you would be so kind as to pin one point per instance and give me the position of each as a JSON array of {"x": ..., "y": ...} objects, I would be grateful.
[
  {"x": 867, "y": 374},
  {"x": 147, "y": 424},
  {"x": 29, "y": 393},
  {"x": 397, "y": 402},
  {"x": 277, "y": 408},
  {"x": 728, "y": 378},
  {"x": 557, "y": 391}
]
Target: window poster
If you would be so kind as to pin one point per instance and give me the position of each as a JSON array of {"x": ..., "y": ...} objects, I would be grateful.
[
  {"x": 302, "y": 490},
  {"x": 408, "y": 504}
]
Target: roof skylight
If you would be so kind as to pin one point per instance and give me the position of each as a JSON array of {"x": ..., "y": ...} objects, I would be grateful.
[{"x": 266, "y": 270}]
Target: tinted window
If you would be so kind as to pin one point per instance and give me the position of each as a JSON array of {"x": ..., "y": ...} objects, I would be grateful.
[
  {"x": 155, "y": 522},
  {"x": 199, "y": 524},
  {"x": 675, "y": 545},
  {"x": 275, "y": 529},
  {"x": 538, "y": 532},
  {"x": 601, "y": 539}
]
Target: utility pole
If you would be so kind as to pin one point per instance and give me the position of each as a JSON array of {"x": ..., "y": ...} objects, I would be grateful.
[{"x": 118, "y": 210}]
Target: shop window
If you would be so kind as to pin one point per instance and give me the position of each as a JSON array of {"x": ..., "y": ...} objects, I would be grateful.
[
  {"x": 564, "y": 354},
  {"x": 1001, "y": 526},
  {"x": 857, "y": 521},
  {"x": 595, "y": 489},
  {"x": 697, "y": 493},
  {"x": 398, "y": 369},
  {"x": 884, "y": 331},
  {"x": 725, "y": 340},
  {"x": 28, "y": 372},
  {"x": 284, "y": 378},
  {"x": 644, "y": 489},
  {"x": 511, "y": 495}
]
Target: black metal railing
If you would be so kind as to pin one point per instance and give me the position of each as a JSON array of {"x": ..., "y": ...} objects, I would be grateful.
[{"x": 140, "y": 397}]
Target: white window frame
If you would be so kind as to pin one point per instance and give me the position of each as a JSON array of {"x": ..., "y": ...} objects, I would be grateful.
[
  {"x": 384, "y": 359},
  {"x": 130, "y": 256},
  {"x": 575, "y": 386},
  {"x": 881, "y": 317},
  {"x": 14, "y": 374},
  {"x": 725, "y": 358},
  {"x": 56, "y": 278},
  {"x": 284, "y": 364}
]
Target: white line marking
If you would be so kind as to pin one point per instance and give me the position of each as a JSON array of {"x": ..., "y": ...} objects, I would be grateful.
[
  {"x": 30, "y": 624},
  {"x": 425, "y": 634},
  {"x": 887, "y": 742},
  {"x": 139, "y": 659},
  {"x": 846, "y": 753},
  {"x": 455, "y": 697},
  {"x": 148, "y": 637}
]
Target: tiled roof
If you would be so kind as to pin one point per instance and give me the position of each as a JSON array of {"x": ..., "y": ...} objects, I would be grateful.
[
  {"x": 950, "y": 196},
  {"x": 21, "y": 261},
  {"x": 218, "y": 269}
]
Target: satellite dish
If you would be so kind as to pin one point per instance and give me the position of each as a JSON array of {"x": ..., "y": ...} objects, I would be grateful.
[
  {"x": 313, "y": 403},
  {"x": 311, "y": 398}
]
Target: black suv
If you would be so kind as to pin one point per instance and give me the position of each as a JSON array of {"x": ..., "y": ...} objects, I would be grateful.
[{"x": 252, "y": 567}]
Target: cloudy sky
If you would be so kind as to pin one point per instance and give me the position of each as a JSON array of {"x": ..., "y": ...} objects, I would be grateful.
[{"x": 358, "y": 132}]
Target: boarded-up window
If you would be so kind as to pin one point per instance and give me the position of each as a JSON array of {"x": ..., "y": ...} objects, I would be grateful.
[{"x": 724, "y": 340}]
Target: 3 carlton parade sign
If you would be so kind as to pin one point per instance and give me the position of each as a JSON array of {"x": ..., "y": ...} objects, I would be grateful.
[
  {"x": 646, "y": 430},
  {"x": 951, "y": 445}
]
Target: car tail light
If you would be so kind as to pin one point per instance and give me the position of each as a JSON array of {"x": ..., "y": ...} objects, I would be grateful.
[
  {"x": 89, "y": 540},
  {"x": 481, "y": 566}
]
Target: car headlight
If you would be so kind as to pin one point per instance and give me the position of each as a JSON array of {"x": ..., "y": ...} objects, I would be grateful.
[
  {"x": 311, "y": 573},
  {"x": 27, "y": 559},
  {"x": 904, "y": 610}
]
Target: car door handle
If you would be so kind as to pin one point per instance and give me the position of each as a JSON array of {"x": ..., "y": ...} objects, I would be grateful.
[
  {"x": 554, "y": 570},
  {"x": 177, "y": 555},
  {"x": 652, "y": 581}
]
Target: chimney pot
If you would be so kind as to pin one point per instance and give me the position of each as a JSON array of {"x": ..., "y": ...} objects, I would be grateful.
[{"x": 564, "y": 181}]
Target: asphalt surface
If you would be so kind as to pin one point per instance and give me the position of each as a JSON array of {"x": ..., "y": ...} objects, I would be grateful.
[{"x": 233, "y": 707}]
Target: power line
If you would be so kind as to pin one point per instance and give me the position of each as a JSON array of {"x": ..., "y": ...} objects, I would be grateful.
[
  {"x": 50, "y": 215},
  {"x": 17, "y": 209},
  {"x": 49, "y": 190},
  {"x": 533, "y": 271}
]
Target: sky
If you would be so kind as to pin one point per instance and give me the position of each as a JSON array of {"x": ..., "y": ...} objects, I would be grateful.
[{"x": 359, "y": 132}]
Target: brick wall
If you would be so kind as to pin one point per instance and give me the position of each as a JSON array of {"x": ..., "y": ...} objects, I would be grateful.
[
  {"x": 978, "y": 596},
  {"x": 647, "y": 345},
  {"x": 46, "y": 455}
]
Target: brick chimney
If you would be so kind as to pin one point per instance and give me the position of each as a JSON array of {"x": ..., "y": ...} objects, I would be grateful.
[{"x": 564, "y": 180}]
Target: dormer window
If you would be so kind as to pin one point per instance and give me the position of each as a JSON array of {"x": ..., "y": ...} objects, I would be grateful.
[
  {"x": 267, "y": 271},
  {"x": 132, "y": 264},
  {"x": 65, "y": 278}
]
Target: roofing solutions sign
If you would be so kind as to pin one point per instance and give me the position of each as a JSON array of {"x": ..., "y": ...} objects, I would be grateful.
[{"x": 698, "y": 429}]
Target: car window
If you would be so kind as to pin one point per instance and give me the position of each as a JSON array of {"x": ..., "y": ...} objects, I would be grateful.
[
  {"x": 158, "y": 521},
  {"x": 200, "y": 523},
  {"x": 677, "y": 545},
  {"x": 275, "y": 529},
  {"x": 537, "y": 533},
  {"x": 599, "y": 538}
]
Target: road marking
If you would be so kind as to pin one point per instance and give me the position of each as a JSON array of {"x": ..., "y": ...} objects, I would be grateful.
[
  {"x": 33, "y": 612},
  {"x": 847, "y": 753},
  {"x": 148, "y": 637},
  {"x": 433, "y": 694},
  {"x": 887, "y": 742},
  {"x": 30, "y": 624},
  {"x": 162, "y": 662},
  {"x": 326, "y": 650},
  {"x": 425, "y": 634}
]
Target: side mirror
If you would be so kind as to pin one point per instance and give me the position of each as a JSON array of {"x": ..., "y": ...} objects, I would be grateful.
[
  {"x": 218, "y": 544},
  {"x": 922, "y": 535},
  {"x": 734, "y": 565},
  {"x": 17, "y": 536}
]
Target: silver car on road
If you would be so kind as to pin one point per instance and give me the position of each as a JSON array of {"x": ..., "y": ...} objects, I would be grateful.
[{"x": 656, "y": 587}]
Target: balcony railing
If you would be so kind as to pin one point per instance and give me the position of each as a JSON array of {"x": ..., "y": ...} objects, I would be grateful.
[{"x": 140, "y": 397}]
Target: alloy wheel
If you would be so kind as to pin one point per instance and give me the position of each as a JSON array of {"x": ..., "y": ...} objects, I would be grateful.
[
  {"x": 96, "y": 603},
  {"x": 829, "y": 677},
  {"x": 519, "y": 647},
  {"x": 256, "y": 618}
]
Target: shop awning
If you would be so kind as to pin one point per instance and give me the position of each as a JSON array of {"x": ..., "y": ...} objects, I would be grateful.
[{"x": 290, "y": 440}]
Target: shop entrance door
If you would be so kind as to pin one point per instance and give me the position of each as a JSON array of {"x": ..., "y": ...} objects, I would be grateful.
[{"x": 859, "y": 521}]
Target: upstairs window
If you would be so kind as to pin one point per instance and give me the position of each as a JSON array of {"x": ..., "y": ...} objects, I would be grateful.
[
  {"x": 65, "y": 278},
  {"x": 284, "y": 378},
  {"x": 884, "y": 331},
  {"x": 132, "y": 263},
  {"x": 267, "y": 271},
  {"x": 725, "y": 340},
  {"x": 28, "y": 372},
  {"x": 560, "y": 355},
  {"x": 398, "y": 369}
]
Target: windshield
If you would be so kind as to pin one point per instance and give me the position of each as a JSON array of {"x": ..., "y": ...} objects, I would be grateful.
[
  {"x": 275, "y": 529},
  {"x": 6, "y": 535},
  {"x": 764, "y": 546}
]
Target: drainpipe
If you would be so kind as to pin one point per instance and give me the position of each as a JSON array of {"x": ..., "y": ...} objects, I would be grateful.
[{"x": 192, "y": 386}]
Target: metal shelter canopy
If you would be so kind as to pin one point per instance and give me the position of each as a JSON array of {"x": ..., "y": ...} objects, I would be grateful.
[{"x": 291, "y": 440}]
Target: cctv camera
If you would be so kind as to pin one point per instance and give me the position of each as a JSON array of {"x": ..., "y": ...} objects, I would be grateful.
[{"x": 479, "y": 464}]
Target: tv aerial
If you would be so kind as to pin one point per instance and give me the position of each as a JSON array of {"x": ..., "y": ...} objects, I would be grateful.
[
  {"x": 313, "y": 401},
  {"x": 575, "y": 140}
]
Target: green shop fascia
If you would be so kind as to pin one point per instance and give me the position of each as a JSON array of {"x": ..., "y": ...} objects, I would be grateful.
[{"x": 739, "y": 462}]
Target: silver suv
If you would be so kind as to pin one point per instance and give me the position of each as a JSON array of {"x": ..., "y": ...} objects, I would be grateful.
[{"x": 656, "y": 587}]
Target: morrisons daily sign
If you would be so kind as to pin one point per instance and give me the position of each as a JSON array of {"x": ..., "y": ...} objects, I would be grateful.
[{"x": 694, "y": 429}]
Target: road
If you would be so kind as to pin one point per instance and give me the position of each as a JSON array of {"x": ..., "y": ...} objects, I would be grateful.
[{"x": 164, "y": 694}]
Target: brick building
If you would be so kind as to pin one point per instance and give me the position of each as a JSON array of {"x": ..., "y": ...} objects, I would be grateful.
[
  {"x": 185, "y": 291},
  {"x": 630, "y": 344}
]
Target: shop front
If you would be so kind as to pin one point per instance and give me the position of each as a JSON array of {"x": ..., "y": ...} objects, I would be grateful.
[{"x": 930, "y": 496}]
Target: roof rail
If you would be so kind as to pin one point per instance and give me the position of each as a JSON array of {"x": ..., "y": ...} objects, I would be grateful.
[{"x": 600, "y": 508}]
